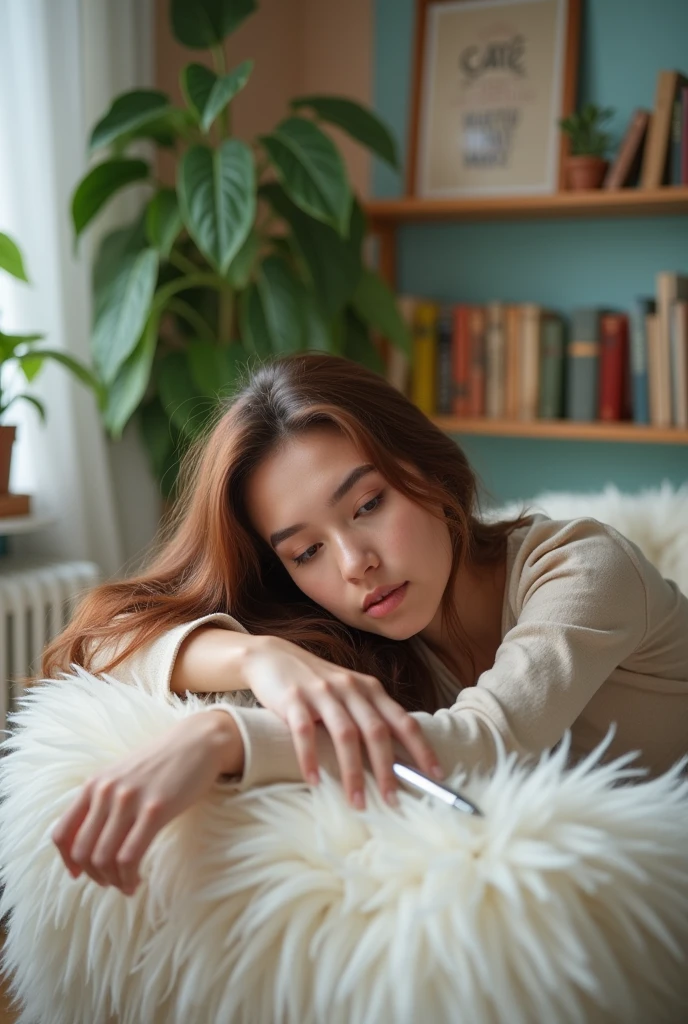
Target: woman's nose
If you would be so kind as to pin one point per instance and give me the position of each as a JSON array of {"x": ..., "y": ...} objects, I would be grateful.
[{"x": 355, "y": 560}]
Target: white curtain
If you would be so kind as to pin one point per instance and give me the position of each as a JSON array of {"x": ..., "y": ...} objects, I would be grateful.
[{"x": 61, "y": 62}]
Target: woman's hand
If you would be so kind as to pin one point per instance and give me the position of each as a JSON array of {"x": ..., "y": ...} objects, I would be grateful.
[
  {"x": 119, "y": 811},
  {"x": 304, "y": 689}
]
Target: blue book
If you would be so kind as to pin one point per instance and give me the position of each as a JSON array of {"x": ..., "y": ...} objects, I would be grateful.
[
  {"x": 582, "y": 365},
  {"x": 640, "y": 400}
]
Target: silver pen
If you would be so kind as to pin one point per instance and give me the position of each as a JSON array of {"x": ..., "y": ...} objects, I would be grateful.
[{"x": 417, "y": 780}]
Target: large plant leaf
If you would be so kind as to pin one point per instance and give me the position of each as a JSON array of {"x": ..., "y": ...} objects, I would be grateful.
[
  {"x": 334, "y": 263},
  {"x": 319, "y": 335},
  {"x": 312, "y": 171},
  {"x": 240, "y": 269},
  {"x": 224, "y": 90},
  {"x": 197, "y": 83},
  {"x": 129, "y": 112},
  {"x": 358, "y": 122},
  {"x": 281, "y": 299},
  {"x": 375, "y": 304},
  {"x": 185, "y": 404},
  {"x": 214, "y": 368},
  {"x": 255, "y": 333},
  {"x": 358, "y": 345},
  {"x": 129, "y": 386},
  {"x": 124, "y": 312},
  {"x": 217, "y": 198},
  {"x": 115, "y": 248},
  {"x": 100, "y": 184},
  {"x": 163, "y": 220},
  {"x": 11, "y": 258},
  {"x": 202, "y": 24}
]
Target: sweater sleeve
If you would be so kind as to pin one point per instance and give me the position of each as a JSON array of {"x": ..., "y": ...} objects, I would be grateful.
[
  {"x": 581, "y": 610},
  {"x": 580, "y": 604}
]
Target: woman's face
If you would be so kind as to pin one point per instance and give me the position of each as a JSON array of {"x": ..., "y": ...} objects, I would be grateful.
[{"x": 342, "y": 532}]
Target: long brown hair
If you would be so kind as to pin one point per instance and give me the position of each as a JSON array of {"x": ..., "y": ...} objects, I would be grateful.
[{"x": 211, "y": 559}]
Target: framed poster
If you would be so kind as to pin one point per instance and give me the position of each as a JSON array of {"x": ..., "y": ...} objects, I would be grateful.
[{"x": 491, "y": 80}]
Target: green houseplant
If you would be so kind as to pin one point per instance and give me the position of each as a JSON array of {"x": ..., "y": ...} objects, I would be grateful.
[
  {"x": 256, "y": 250},
  {"x": 24, "y": 352},
  {"x": 586, "y": 165}
]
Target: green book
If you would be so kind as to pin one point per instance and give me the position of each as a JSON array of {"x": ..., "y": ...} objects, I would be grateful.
[
  {"x": 551, "y": 401},
  {"x": 582, "y": 365}
]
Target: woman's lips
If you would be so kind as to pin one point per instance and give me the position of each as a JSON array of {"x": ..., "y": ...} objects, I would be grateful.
[{"x": 388, "y": 604}]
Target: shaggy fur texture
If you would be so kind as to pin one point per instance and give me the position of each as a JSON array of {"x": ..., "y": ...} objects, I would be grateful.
[{"x": 566, "y": 904}]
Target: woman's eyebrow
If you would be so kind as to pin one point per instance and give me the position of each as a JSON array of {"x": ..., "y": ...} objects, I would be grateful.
[{"x": 350, "y": 481}]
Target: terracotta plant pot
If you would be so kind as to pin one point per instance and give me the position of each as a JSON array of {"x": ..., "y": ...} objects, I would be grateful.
[
  {"x": 583, "y": 172},
  {"x": 7, "y": 435}
]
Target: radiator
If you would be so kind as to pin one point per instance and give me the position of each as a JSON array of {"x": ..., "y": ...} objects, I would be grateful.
[{"x": 36, "y": 601}]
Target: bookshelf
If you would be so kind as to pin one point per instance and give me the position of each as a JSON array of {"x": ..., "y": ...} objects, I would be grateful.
[
  {"x": 625, "y": 202},
  {"x": 563, "y": 430},
  {"x": 386, "y": 215}
]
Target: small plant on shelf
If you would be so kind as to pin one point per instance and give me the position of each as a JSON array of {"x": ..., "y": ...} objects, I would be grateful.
[{"x": 586, "y": 164}]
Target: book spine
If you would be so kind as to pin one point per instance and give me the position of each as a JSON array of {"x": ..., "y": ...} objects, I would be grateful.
[
  {"x": 666, "y": 285},
  {"x": 476, "y": 395},
  {"x": 444, "y": 382},
  {"x": 684, "y": 135},
  {"x": 513, "y": 346},
  {"x": 530, "y": 361},
  {"x": 424, "y": 357},
  {"x": 653, "y": 365},
  {"x": 461, "y": 361},
  {"x": 657, "y": 146},
  {"x": 679, "y": 362},
  {"x": 630, "y": 151},
  {"x": 582, "y": 365},
  {"x": 638, "y": 357},
  {"x": 613, "y": 366},
  {"x": 495, "y": 355},
  {"x": 675, "y": 145},
  {"x": 551, "y": 401}
]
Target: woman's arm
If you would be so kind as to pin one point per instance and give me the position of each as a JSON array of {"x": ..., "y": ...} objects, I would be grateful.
[{"x": 212, "y": 660}]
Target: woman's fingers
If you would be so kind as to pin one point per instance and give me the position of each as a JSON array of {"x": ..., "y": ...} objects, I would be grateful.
[
  {"x": 118, "y": 825},
  {"x": 67, "y": 827},
  {"x": 300, "y": 720},
  {"x": 87, "y": 836},
  {"x": 347, "y": 743},
  {"x": 376, "y": 733}
]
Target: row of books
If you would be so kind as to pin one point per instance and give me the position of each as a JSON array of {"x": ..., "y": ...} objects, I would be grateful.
[
  {"x": 654, "y": 149},
  {"x": 524, "y": 362}
]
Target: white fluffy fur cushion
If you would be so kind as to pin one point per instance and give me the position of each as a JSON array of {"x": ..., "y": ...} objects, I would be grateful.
[
  {"x": 566, "y": 904},
  {"x": 656, "y": 519}
]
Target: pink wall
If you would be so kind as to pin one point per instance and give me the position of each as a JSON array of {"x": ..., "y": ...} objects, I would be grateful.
[{"x": 299, "y": 47}]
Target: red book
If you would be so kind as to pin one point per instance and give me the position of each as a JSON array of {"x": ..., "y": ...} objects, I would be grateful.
[
  {"x": 461, "y": 361},
  {"x": 614, "y": 367},
  {"x": 477, "y": 327}
]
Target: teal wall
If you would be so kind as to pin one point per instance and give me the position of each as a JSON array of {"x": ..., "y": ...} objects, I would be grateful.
[{"x": 561, "y": 264}]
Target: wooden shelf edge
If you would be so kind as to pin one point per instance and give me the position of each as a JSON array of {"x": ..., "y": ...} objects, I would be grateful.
[
  {"x": 627, "y": 202},
  {"x": 567, "y": 430}
]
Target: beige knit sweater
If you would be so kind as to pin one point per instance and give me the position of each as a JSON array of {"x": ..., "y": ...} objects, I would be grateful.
[{"x": 591, "y": 634}]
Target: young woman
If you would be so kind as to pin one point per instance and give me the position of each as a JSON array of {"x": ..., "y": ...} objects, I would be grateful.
[{"x": 329, "y": 560}]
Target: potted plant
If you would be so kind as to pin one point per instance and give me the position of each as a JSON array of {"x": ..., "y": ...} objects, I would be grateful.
[
  {"x": 585, "y": 165},
  {"x": 257, "y": 249},
  {"x": 24, "y": 352}
]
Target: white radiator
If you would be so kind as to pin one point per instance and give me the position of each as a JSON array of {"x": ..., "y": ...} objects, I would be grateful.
[{"x": 36, "y": 602}]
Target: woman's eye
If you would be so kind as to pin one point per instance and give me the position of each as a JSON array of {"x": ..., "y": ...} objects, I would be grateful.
[
  {"x": 309, "y": 553},
  {"x": 375, "y": 502},
  {"x": 305, "y": 557}
]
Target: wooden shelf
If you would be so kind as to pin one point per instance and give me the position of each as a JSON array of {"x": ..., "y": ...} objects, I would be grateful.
[
  {"x": 625, "y": 202},
  {"x": 563, "y": 430}
]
